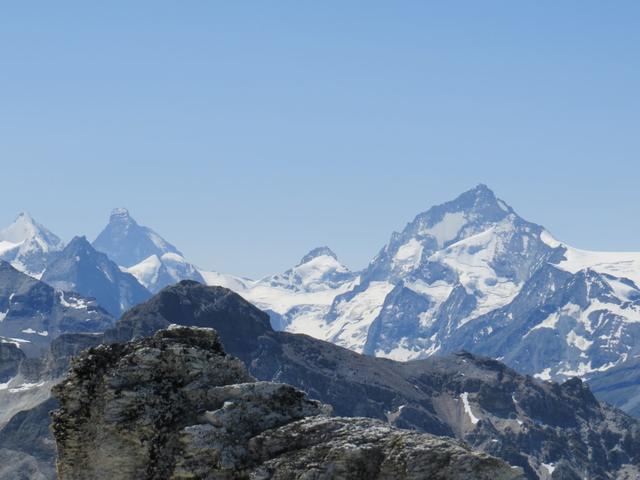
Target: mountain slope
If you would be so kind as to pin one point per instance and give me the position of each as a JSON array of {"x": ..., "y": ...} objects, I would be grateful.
[
  {"x": 32, "y": 313},
  {"x": 561, "y": 325},
  {"x": 27, "y": 245},
  {"x": 82, "y": 269},
  {"x": 154, "y": 261}
]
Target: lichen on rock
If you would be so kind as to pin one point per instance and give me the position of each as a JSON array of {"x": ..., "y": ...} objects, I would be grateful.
[{"x": 175, "y": 406}]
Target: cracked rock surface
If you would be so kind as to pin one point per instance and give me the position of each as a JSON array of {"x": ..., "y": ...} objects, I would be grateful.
[{"x": 176, "y": 406}]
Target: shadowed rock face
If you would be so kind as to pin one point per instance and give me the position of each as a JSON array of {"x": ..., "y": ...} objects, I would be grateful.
[
  {"x": 176, "y": 406},
  {"x": 80, "y": 268},
  {"x": 32, "y": 313}
]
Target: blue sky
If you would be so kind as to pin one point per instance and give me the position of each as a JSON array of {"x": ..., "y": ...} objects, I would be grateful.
[{"x": 249, "y": 132}]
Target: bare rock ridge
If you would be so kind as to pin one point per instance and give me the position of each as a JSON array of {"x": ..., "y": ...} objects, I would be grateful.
[{"x": 175, "y": 405}]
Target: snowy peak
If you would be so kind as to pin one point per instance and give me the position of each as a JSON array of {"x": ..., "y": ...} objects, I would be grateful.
[
  {"x": 468, "y": 214},
  {"x": 317, "y": 271},
  {"x": 128, "y": 243},
  {"x": 456, "y": 262},
  {"x": 477, "y": 211},
  {"x": 155, "y": 272},
  {"x": 22, "y": 228},
  {"x": 27, "y": 245},
  {"x": 25, "y": 228},
  {"x": 139, "y": 250},
  {"x": 318, "y": 252}
]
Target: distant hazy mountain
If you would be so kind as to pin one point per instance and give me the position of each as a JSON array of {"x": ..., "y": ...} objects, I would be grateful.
[
  {"x": 82, "y": 269},
  {"x": 32, "y": 313},
  {"x": 127, "y": 243},
  {"x": 155, "y": 262},
  {"x": 27, "y": 245}
]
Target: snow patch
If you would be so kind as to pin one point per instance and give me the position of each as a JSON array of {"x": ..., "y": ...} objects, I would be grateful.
[
  {"x": 550, "y": 467},
  {"x": 578, "y": 341},
  {"x": 25, "y": 386},
  {"x": 354, "y": 316},
  {"x": 448, "y": 228},
  {"x": 544, "y": 375},
  {"x": 618, "y": 264},
  {"x": 467, "y": 408},
  {"x": 409, "y": 255}
]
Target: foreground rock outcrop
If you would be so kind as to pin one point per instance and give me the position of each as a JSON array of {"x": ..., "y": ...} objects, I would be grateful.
[{"x": 175, "y": 405}]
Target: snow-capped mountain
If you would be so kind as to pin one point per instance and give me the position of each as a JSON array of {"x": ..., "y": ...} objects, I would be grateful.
[
  {"x": 468, "y": 274},
  {"x": 560, "y": 325},
  {"x": 32, "y": 313},
  {"x": 319, "y": 270},
  {"x": 27, "y": 245},
  {"x": 298, "y": 299},
  {"x": 140, "y": 251},
  {"x": 472, "y": 274},
  {"x": 82, "y": 269},
  {"x": 127, "y": 243},
  {"x": 451, "y": 264}
]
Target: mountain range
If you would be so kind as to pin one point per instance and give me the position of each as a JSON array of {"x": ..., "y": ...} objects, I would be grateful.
[
  {"x": 549, "y": 430},
  {"x": 469, "y": 274}
]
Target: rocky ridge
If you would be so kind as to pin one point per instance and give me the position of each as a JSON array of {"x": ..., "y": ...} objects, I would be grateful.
[
  {"x": 176, "y": 406},
  {"x": 32, "y": 313},
  {"x": 80, "y": 268}
]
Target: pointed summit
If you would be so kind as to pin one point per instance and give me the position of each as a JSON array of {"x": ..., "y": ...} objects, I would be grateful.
[
  {"x": 318, "y": 252},
  {"x": 26, "y": 228},
  {"x": 26, "y": 244},
  {"x": 79, "y": 244},
  {"x": 479, "y": 204},
  {"x": 119, "y": 214},
  {"x": 128, "y": 243},
  {"x": 82, "y": 269},
  {"x": 142, "y": 252}
]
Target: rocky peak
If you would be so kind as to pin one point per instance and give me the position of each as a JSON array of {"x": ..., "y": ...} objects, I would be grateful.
[
  {"x": 79, "y": 245},
  {"x": 176, "y": 406},
  {"x": 81, "y": 268},
  {"x": 478, "y": 206},
  {"x": 318, "y": 252},
  {"x": 128, "y": 243},
  {"x": 120, "y": 215}
]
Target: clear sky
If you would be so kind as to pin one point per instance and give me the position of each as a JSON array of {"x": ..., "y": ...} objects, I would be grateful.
[{"x": 248, "y": 132}]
